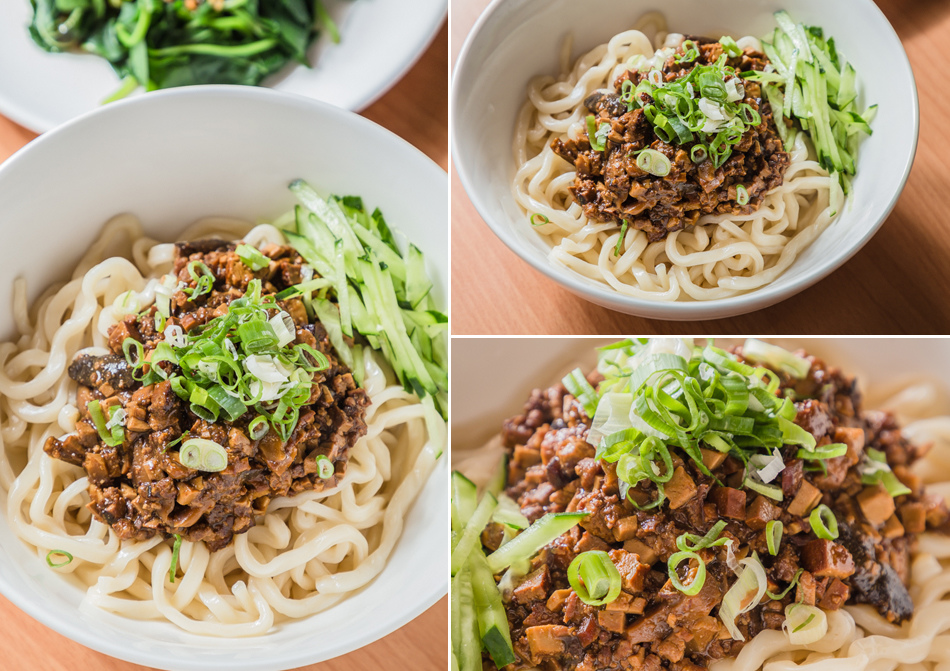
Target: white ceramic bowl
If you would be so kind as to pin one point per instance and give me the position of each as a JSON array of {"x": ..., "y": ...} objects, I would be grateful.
[
  {"x": 514, "y": 40},
  {"x": 234, "y": 156},
  {"x": 41, "y": 90}
]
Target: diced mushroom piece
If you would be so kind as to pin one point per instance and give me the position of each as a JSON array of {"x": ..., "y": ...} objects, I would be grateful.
[
  {"x": 526, "y": 456},
  {"x": 712, "y": 459},
  {"x": 792, "y": 477},
  {"x": 632, "y": 572},
  {"x": 533, "y": 587},
  {"x": 493, "y": 535},
  {"x": 853, "y": 437},
  {"x": 612, "y": 620},
  {"x": 644, "y": 552},
  {"x": 761, "y": 512},
  {"x": 546, "y": 640},
  {"x": 807, "y": 498},
  {"x": 825, "y": 558},
  {"x": 730, "y": 502},
  {"x": 876, "y": 504},
  {"x": 557, "y": 599},
  {"x": 914, "y": 517},
  {"x": 893, "y": 527},
  {"x": 680, "y": 489},
  {"x": 835, "y": 596},
  {"x": 626, "y": 528}
]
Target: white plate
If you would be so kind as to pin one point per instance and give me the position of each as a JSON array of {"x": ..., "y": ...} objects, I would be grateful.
[
  {"x": 380, "y": 40},
  {"x": 235, "y": 157},
  {"x": 493, "y": 377}
]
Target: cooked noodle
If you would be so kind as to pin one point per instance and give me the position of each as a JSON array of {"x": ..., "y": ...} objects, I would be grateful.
[
  {"x": 858, "y": 638},
  {"x": 306, "y": 554},
  {"x": 721, "y": 256}
]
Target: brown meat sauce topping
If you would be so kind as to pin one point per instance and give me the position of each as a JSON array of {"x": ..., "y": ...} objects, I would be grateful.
[
  {"x": 140, "y": 488},
  {"x": 651, "y": 625},
  {"x": 610, "y": 186}
]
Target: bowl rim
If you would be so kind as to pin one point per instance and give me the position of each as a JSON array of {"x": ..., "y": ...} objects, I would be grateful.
[
  {"x": 72, "y": 627},
  {"x": 679, "y": 310},
  {"x": 395, "y": 71}
]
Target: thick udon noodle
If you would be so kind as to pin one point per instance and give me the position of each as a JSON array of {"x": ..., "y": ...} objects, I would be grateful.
[
  {"x": 721, "y": 256},
  {"x": 858, "y": 639},
  {"x": 306, "y": 554}
]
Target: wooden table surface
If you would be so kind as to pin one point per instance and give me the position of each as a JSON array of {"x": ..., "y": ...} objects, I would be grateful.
[
  {"x": 416, "y": 109},
  {"x": 898, "y": 283}
]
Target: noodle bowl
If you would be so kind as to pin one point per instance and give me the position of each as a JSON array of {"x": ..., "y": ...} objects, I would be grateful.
[
  {"x": 305, "y": 555},
  {"x": 719, "y": 257}
]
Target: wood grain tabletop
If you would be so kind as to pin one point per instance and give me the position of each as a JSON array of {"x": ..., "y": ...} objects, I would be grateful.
[
  {"x": 898, "y": 283},
  {"x": 416, "y": 109}
]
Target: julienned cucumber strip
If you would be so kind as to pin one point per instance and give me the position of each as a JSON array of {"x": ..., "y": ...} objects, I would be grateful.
[
  {"x": 469, "y": 652},
  {"x": 490, "y": 612},
  {"x": 372, "y": 289},
  {"x": 464, "y": 500},
  {"x": 472, "y": 532},
  {"x": 531, "y": 540},
  {"x": 509, "y": 513}
]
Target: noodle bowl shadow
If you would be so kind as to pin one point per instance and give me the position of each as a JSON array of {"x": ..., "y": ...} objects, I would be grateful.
[
  {"x": 171, "y": 158},
  {"x": 515, "y": 40}
]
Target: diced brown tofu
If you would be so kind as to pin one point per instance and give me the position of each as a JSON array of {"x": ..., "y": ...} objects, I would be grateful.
[
  {"x": 853, "y": 437},
  {"x": 546, "y": 640},
  {"x": 807, "y": 498},
  {"x": 805, "y": 592},
  {"x": 704, "y": 630},
  {"x": 627, "y": 603},
  {"x": 712, "y": 459},
  {"x": 876, "y": 504},
  {"x": 761, "y": 512},
  {"x": 632, "y": 572},
  {"x": 525, "y": 456},
  {"x": 672, "y": 648},
  {"x": 730, "y": 502},
  {"x": 612, "y": 620},
  {"x": 835, "y": 596},
  {"x": 533, "y": 587},
  {"x": 557, "y": 599},
  {"x": 792, "y": 478},
  {"x": 646, "y": 554},
  {"x": 826, "y": 558},
  {"x": 893, "y": 527},
  {"x": 626, "y": 528},
  {"x": 680, "y": 489},
  {"x": 914, "y": 517},
  {"x": 589, "y": 542}
]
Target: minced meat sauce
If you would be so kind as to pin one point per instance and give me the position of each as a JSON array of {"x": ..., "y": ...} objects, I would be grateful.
[
  {"x": 610, "y": 186},
  {"x": 140, "y": 488},
  {"x": 651, "y": 625}
]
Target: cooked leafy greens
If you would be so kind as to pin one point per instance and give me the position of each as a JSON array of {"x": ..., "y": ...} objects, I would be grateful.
[{"x": 158, "y": 44}]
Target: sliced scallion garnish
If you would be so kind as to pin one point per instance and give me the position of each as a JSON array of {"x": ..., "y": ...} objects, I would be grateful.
[
  {"x": 823, "y": 522},
  {"x": 173, "y": 568},
  {"x": 252, "y": 258},
  {"x": 53, "y": 563},
  {"x": 698, "y": 580},
  {"x": 203, "y": 455},
  {"x": 594, "y": 578},
  {"x": 773, "y": 535}
]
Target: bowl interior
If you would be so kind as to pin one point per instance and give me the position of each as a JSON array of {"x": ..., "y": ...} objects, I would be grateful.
[
  {"x": 516, "y": 40},
  {"x": 171, "y": 158}
]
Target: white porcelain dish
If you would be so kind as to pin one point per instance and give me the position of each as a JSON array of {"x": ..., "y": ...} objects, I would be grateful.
[
  {"x": 41, "y": 90},
  {"x": 235, "y": 157},
  {"x": 493, "y": 377},
  {"x": 515, "y": 40}
]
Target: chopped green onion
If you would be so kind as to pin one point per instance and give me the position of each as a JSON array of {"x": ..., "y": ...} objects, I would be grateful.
[
  {"x": 173, "y": 569},
  {"x": 823, "y": 522},
  {"x": 203, "y": 455},
  {"x": 654, "y": 162},
  {"x": 700, "y": 542},
  {"x": 744, "y": 595},
  {"x": 623, "y": 233},
  {"x": 538, "y": 219},
  {"x": 58, "y": 564},
  {"x": 781, "y": 595},
  {"x": 804, "y": 624},
  {"x": 730, "y": 47},
  {"x": 580, "y": 388},
  {"x": 111, "y": 436},
  {"x": 830, "y": 451},
  {"x": 258, "y": 427},
  {"x": 597, "y": 136},
  {"x": 324, "y": 467},
  {"x": 252, "y": 258},
  {"x": 698, "y": 580},
  {"x": 773, "y": 535},
  {"x": 763, "y": 352},
  {"x": 594, "y": 578},
  {"x": 742, "y": 195},
  {"x": 698, "y": 153}
]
